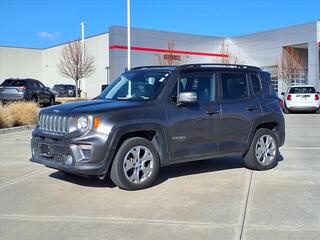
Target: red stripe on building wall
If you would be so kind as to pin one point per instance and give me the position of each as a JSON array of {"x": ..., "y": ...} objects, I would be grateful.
[{"x": 159, "y": 50}]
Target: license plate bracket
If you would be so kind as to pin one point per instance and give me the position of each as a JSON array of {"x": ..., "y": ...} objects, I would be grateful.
[{"x": 45, "y": 151}]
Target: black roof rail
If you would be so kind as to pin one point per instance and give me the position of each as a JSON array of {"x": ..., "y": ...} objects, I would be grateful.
[
  {"x": 199, "y": 65},
  {"x": 155, "y": 66}
]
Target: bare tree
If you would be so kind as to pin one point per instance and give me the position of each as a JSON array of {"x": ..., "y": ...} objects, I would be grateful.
[
  {"x": 290, "y": 65},
  {"x": 170, "y": 58},
  {"x": 76, "y": 63},
  {"x": 227, "y": 56}
]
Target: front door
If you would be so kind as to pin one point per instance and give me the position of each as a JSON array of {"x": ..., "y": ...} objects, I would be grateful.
[
  {"x": 44, "y": 93},
  {"x": 194, "y": 128}
]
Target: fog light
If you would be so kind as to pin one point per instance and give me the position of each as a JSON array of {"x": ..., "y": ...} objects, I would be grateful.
[
  {"x": 85, "y": 151},
  {"x": 68, "y": 160}
]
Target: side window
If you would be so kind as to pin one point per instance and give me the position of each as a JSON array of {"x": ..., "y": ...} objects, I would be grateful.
[
  {"x": 256, "y": 84},
  {"x": 33, "y": 84},
  {"x": 40, "y": 85},
  {"x": 234, "y": 86},
  {"x": 202, "y": 83}
]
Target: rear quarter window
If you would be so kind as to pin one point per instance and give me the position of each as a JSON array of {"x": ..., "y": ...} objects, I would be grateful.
[
  {"x": 266, "y": 84},
  {"x": 256, "y": 83}
]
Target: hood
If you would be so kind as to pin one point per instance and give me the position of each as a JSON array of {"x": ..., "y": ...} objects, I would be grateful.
[{"x": 90, "y": 107}]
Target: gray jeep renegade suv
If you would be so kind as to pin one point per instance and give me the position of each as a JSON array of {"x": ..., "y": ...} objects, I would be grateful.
[{"x": 158, "y": 115}]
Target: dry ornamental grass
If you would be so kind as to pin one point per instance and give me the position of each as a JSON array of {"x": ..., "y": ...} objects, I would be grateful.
[{"x": 18, "y": 114}]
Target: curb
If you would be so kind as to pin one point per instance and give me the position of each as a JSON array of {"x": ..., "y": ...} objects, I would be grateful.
[{"x": 16, "y": 129}]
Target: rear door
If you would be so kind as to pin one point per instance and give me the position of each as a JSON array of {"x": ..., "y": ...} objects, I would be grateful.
[
  {"x": 193, "y": 129},
  {"x": 239, "y": 109}
]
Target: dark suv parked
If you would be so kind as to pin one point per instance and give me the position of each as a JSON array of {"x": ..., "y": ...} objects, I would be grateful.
[
  {"x": 65, "y": 90},
  {"x": 156, "y": 116},
  {"x": 26, "y": 90}
]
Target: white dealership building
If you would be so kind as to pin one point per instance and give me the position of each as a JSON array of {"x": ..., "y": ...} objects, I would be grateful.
[{"x": 151, "y": 47}]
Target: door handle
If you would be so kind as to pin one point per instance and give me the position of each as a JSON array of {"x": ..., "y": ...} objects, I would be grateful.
[
  {"x": 212, "y": 112},
  {"x": 251, "y": 108}
]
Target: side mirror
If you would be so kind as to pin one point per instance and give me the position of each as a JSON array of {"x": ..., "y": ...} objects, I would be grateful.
[
  {"x": 187, "y": 97},
  {"x": 282, "y": 93}
]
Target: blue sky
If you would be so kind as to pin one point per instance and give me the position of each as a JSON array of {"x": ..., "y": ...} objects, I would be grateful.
[{"x": 44, "y": 23}]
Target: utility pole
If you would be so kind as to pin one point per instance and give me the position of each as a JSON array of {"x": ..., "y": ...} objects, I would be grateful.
[
  {"x": 83, "y": 56},
  {"x": 129, "y": 45},
  {"x": 129, "y": 35},
  {"x": 107, "y": 68}
]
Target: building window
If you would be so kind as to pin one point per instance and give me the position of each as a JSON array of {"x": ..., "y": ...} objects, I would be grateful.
[{"x": 300, "y": 77}]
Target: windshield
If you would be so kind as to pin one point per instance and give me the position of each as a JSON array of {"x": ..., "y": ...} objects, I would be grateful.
[
  {"x": 59, "y": 87},
  {"x": 136, "y": 85},
  {"x": 302, "y": 90}
]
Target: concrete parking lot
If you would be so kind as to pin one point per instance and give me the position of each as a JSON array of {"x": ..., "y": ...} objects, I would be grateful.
[{"x": 216, "y": 199}]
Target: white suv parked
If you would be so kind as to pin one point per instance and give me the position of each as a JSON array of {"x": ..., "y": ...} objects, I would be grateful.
[{"x": 301, "y": 98}]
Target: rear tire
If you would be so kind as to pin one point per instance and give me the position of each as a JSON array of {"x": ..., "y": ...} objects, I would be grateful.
[
  {"x": 34, "y": 99},
  {"x": 135, "y": 165},
  {"x": 263, "y": 153}
]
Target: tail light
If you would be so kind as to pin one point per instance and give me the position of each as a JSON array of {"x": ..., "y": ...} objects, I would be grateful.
[
  {"x": 281, "y": 104},
  {"x": 289, "y": 98},
  {"x": 316, "y": 97}
]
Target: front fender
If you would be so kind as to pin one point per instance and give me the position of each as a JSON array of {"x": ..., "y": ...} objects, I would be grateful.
[{"x": 159, "y": 140}]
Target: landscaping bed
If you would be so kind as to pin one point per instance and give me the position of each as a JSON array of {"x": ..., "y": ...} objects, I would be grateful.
[{"x": 18, "y": 114}]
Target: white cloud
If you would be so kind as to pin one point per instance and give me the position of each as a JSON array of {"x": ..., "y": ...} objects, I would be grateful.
[{"x": 49, "y": 36}]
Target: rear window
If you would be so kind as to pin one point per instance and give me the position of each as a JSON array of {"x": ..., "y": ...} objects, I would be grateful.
[
  {"x": 13, "y": 83},
  {"x": 302, "y": 90}
]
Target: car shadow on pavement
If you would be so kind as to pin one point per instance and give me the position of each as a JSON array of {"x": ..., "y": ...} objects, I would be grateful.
[
  {"x": 202, "y": 166},
  {"x": 198, "y": 167},
  {"x": 83, "y": 181},
  {"x": 165, "y": 173}
]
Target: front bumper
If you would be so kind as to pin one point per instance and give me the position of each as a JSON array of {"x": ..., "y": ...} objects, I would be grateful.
[{"x": 85, "y": 155}]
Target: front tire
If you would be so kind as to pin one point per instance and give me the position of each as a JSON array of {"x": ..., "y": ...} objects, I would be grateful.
[
  {"x": 136, "y": 164},
  {"x": 263, "y": 153}
]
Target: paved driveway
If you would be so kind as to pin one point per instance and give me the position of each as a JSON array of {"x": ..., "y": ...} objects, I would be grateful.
[{"x": 217, "y": 199}]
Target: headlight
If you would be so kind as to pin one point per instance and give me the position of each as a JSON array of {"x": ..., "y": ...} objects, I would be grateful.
[{"x": 82, "y": 123}]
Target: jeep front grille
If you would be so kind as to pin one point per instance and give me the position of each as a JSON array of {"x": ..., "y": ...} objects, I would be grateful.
[{"x": 53, "y": 123}]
